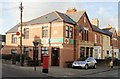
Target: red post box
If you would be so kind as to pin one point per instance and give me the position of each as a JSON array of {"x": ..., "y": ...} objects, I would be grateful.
[{"x": 45, "y": 63}]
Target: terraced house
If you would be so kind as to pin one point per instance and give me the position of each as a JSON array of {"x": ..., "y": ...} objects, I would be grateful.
[
  {"x": 63, "y": 36},
  {"x": 101, "y": 40},
  {"x": 113, "y": 42}
]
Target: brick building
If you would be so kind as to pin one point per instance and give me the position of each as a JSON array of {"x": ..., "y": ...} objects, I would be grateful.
[
  {"x": 63, "y": 36},
  {"x": 113, "y": 41},
  {"x": 100, "y": 46}
]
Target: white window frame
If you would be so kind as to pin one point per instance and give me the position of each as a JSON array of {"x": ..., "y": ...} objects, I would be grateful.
[{"x": 95, "y": 38}]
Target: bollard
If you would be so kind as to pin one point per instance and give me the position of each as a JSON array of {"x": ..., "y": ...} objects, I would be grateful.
[
  {"x": 45, "y": 63},
  {"x": 111, "y": 64}
]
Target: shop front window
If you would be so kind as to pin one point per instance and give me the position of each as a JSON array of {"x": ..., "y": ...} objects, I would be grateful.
[{"x": 44, "y": 50}]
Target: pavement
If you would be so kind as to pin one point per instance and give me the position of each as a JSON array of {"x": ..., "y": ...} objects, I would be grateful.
[{"x": 65, "y": 72}]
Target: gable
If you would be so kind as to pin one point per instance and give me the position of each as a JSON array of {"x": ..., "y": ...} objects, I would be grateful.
[
  {"x": 85, "y": 22},
  {"x": 114, "y": 34}
]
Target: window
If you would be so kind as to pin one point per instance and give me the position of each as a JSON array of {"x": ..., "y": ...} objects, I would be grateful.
[
  {"x": 26, "y": 50},
  {"x": 95, "y": 38},
  {"x": 107, "y": 52},
  {"x": 45, "y": 31},
  {"x": 14, "y": 38},
  {"x": 82, "y": 52},
  {"x": 82, "y": 35},
  {"x": 91, "y": 52},
  {"x": 101, "y": 40},
  {"x": 44, "y": 50},
  {"x": 67, "y": 31},
  {"x": 71, "y": 32},
  {"x": 84, "y": 19},
  {"x": 26, "y": 33},
  {"x": 85, "y": 35}
]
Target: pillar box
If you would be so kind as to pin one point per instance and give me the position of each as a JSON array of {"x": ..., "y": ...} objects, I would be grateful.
[{"x": 45, "y": 63}]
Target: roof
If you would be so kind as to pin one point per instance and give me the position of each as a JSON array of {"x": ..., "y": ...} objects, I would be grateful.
[
  {"x": 107, "y": 32},
  {"x": 96, "y": 29},
  {"x": 103, "y": 31},
  {"x": 66, "y": 18},
  {"x": 13, "y": 30},
  {"x": 51, "y": 17},
  {"x": 110, "y": 29},
  {"x": 75, "y": 15}
]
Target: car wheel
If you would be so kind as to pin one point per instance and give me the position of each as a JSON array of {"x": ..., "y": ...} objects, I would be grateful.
[
  {"x": 73, "y": 67},
  {"x": 86, "y": 66},
  {"x": 95, "y": 66}
]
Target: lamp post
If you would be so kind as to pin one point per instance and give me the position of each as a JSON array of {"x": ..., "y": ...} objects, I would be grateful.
[
  {"x": 21, "y": 10},
  {"x": 35, "y": 48}
]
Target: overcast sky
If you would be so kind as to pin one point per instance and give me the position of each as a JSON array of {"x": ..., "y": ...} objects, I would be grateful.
[{"x": 106, "y": 12}]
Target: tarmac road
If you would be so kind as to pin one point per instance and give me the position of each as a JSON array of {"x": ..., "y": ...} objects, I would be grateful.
[{"x": 9, "y": 70}]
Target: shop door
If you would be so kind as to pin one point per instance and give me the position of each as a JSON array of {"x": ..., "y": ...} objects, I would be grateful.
[{"x": 55, "y": 56}]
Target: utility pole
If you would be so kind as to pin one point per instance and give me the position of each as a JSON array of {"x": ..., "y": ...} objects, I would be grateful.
[{"x": 21, "y": 10}]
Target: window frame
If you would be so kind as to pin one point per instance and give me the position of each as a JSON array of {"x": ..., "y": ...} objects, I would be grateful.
[
  {"x": 71, "y": 32},
  {"x": 14, "y": 39},
  {"x": 101, "y": 41},
  {"x": 95, "y": 38},
  {"x": 44, "y": 31},
  {"x": 67, "y": 31},
  {"x": 45, "y": 50},
  {"x": 26, "y": 33}
]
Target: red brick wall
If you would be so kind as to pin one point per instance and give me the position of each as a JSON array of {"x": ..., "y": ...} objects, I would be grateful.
[{"x": 79, "y": 37}]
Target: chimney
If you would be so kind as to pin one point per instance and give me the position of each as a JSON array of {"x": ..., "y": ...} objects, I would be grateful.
[
  {"x": 95, "y": 22},
  {"x": 109, "y": 26},
  {"x": 71, "y": 10}
]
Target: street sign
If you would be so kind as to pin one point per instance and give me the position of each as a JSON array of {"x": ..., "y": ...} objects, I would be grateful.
[
  {"x": 17, "y": 33},
  {"x": 66, "y": 40}
]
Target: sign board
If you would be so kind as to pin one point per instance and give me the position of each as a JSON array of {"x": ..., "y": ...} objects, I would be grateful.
[
  {"x": 56, "y": 40},
  {"x": 66, "y": 41},
  {"x": 71, "y": 41},
  {"x": 44, "y": 41}
]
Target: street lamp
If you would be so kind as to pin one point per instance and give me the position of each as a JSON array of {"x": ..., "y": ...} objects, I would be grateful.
[{"x": 35, "y": 52}]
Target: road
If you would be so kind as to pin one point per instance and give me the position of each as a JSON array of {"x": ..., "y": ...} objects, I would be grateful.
[
  {"x": 9, "y": 70},
  {"x": 111, "y": 73},
  {"x": 16, "y": 71}
]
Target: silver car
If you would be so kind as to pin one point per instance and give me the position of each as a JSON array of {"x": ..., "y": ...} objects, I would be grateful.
[{"x": 89, "y": 62}]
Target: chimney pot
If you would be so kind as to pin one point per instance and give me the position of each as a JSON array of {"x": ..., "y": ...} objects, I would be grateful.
[
  {"x": 71, "y": 10},
  {"x": 95, "y": 22}
]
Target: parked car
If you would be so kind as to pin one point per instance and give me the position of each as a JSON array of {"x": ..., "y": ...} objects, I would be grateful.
[{"x": 86, "y": 63}]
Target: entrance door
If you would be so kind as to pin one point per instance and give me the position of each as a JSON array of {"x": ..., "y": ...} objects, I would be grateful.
[{"x": 55, "y": 56}]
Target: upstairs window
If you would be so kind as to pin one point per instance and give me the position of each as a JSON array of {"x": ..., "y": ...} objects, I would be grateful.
[
  {"x": 45, "y": 31},
  {"x": 101, "y": 41},
  {"x": 67, "y": 31},
  {"x": 84, "y": 19},
  {"x": 71, "y": 32},
  {"x": 26, "y": 33},
  {"x": 85, "y": 35},
  {"x": 14, "y": 38},
  {"x": 95, "y": 38}
]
